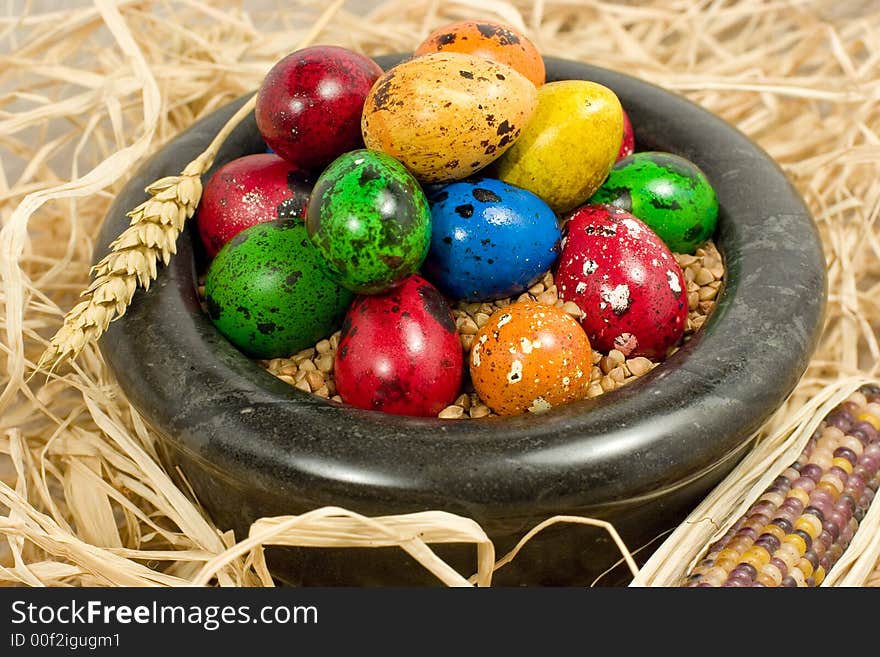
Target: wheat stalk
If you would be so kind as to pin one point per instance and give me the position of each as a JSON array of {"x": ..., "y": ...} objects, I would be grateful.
[
  {"x": 134, "y": 256},
  {"x": 151, "y": 236}
]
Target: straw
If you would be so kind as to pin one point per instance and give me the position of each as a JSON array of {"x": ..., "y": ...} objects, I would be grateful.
[{"x": 88, "y": 93}]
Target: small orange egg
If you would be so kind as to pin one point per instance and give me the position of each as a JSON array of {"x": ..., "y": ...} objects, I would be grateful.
[
  {"x": 494, "y": 41},
  {"x": 530, "y": 357}
]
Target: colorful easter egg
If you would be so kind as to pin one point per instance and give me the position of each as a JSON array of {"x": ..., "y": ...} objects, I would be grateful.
[
  {"x": 249, "y": 190},
  {"x": 489, "y": 239},
  {"x": 447, "y": 115},
  {"x": 399, "y": 352},
  {"x": 369, "y": 219},
  {"x": 628, "y": 146},
  {"x": 625, "y": 280},
  {"x": 267, "y": 292},
  {"x": 567, "y": 149},
  {"x": 494, "y": 41},
  {"x": 668, "y": 192},
  {"x": 310, "y": 103},
  {"x": 530, "y": 357}
]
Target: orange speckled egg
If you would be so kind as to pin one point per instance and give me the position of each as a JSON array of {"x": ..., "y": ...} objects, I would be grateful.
[
  {"x": 530, "y": 357},
  {"x": 494, "y": 41},
  {"x": 445, "y": 116}
]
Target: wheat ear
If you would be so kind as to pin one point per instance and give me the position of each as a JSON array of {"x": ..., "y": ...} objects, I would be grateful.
[{"x": 134, "y": 256}]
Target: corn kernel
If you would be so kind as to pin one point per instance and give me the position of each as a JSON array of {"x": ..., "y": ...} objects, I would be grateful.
[
  {"x": 755, "y": 525},
  {"x": 819, "y": 575},
  {"x": 796, "y": 574},
  {"x": 756, "y": 556},
  {"x": 809, "y": 524},
  {"x": 828, "y": 443},
  {"x": 770, "y": 575},
  {"x": 854, "y": 444},
  {"x": 833, "y": 480},
  {"x": 830, "y": 488},
  {"x": 766, "y": 580},
  {"x": 715, "y": 576},
  {"x": 801, "y": 495},
  {"x": 726, "y": 554},
  {"x": 776, "y": 499},
  {"x": 843, "y": 464},
  {"x": 773, "y": 530},
  {"x": 858, "y": 398},
  {"x": 739, "y": 544},
  {"x": 727, "y": 564},
  {"x": 797, "y": 542},
  {"x": 831, "y": 432},
  {"x": 805, "y": 567},
  {"x": 821, "y": 457},
  {"x": 788, "y": 554},
  {"x": 791, "y": 474},
  {"x": 871, "y": 419}
]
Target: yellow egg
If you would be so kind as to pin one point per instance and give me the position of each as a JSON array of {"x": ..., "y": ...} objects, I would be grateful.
[
  {"x": 568, "y": 148},
  {"x": 447, "y": 115}
]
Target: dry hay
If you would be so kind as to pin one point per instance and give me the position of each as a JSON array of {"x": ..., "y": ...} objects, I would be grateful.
[{"x": 87, "y": 93}]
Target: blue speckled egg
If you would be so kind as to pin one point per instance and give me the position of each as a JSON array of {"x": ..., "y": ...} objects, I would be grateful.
[{"x": 489, "y": 239}]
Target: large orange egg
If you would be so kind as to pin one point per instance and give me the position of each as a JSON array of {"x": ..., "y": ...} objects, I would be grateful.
[
  {"x": 494, "y": 41},
  {"x": 445, "y": 116},
  {"x": 530, "y": 357}
]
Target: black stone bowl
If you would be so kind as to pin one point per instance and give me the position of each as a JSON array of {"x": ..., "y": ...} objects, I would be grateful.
[{"x": 641, "y": 457}]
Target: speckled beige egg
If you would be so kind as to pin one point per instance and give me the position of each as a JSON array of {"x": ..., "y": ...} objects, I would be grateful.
[
  {"x": 530, "y": 357},
  {"x": 445, "y": 116},
  {"x": 568, "y": 148}
]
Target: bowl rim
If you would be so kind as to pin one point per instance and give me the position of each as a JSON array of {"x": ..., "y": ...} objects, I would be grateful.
[{"x": 682, "y": 419}]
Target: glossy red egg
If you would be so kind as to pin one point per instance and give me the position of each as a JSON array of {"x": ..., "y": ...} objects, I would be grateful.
[
  {"x": 247, "y": 191},
  {"x": 625, "y": 280},
  {"x": 310, "y": 103},
  {"x": 628, "y": 145},
  {"x": 400, "y": 352}
]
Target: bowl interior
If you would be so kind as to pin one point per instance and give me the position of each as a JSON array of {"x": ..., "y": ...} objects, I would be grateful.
[{"x": 676, "y": 423}]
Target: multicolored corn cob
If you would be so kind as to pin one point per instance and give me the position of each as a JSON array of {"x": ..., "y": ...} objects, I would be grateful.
[{"x": 799, "y": 528}]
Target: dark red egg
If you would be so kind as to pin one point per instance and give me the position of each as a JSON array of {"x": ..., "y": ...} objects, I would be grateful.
[
  {"x": 399, "y": 352},
  {"x": 625, "y": 280},
  {"x": 247, "y": 191},
  {"x": 628, "y": 145},
  {"x": 310, "y": 103}
]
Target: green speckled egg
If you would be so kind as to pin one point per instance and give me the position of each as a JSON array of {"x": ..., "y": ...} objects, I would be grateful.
[
  {"x": 267, "y": 292},
  {"x": 668, "y": 192},
  {"x": 369, "y": 218}
]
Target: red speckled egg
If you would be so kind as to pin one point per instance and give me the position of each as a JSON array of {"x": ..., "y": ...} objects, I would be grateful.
[
  {"x": 310, "y": 103},
  {"x": 247, "y": 191},
  {"x": 399, "y": 352},
  {"x": 628, "y": 145},
  {"x": 530, "y": 357},
  {"x": 625, "y": 280}
]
